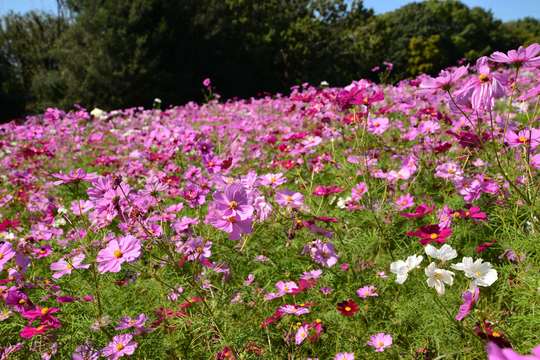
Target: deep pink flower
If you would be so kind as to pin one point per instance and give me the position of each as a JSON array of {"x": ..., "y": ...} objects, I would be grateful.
[
  {"x": 117, "y": 252},
  {"x": 420, "y": 211},
  {"x": 431, "y": 233},
  {"x": 469, "y": 299}
]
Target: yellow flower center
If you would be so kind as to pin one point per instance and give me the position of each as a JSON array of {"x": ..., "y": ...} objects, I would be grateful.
[
  {"x": 117, "y": 253},
  {"x": 434, "y": 236},
  {"x": 233, "y": 205},
  {"x": 483, "y": 77},
  {"x": 1, "y": 256},
  {"x": 44, "y": 311},
  {"x": 348, "y": 308},
  {"x": 522, "y": 139},
  {"x": 380, "y": 344},
  {"x": 69, "y": 266},
  {"x": 120, "y": 346}
]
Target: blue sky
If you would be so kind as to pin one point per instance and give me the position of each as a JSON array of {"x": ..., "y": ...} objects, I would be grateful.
[{"x": 503, "y": 9}]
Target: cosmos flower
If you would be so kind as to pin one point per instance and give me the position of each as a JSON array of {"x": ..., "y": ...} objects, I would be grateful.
[
  {"x": 401, "y": 268},
  {"x": 469, "y": 299},
  {"x": 6, "y": 254},
  {"x": 420, "y": 211},
  {"x": 481, "y": 272},
  {"x": 344, "y": 356},
  {"x": 63, "y": 267},
  {"x": 290, "y": 199},
  {"x": 380, "y": 341},
  {"x": 445, "y": 253},
  {"x": 431, "y": 233},
  {"x": 301, "y": 334},
  {"x": 347, "y": 308},
  {"x": 117, "y": 252},
  {"x": 120, "y": 346},
  {"x": 523, "y": 56},
  {"x": 367, "y": 291},
  {"x": 437, "y": 278}
]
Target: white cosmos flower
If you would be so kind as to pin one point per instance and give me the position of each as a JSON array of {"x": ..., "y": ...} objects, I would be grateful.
[
  {"x": 445, "y": 253},
  {"x": 438, "y": 277},
  {"x": 401, "y": 268},
  {"x": 481, "y": 272}
]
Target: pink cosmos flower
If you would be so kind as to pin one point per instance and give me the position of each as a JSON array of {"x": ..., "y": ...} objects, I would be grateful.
[
  {"x": 273, "y": 180},
  {"x": 232, "y": 225},
  {"x": 117, "y": 252},
  {"x": 358, "y": 191},
  {"x": 535, "y": 161},
  {"x": 119, "y": 346},
  {"x": 494, "y": 352},
  {"x": 74, "y": 176},
  {"x": 233, "y": 201},
  {"x": 446, "y": 79},
  {"x": 378, "y": 126},
  {"x": 126, "y": 322},
  {"x": 6, "y": 254},
  {"x": 367, "y": 291},
  {"x": 523, "y": 138},
  {"x": 290, "y": 199},
  {"x": 380, "y": 341},
  {"x": 344, "y": 356},
  {"x": 483, "y": 89},
  {"x": 63, "y": 267},
  {"x": 450, "y": 171},
  {"x": 207, "y": 82},
  {"x": 301, "y": 334},
  {"x": 522, "y": 56},
  {"x": 404, "y": 202},
  {"x": 469, "y": 299}
]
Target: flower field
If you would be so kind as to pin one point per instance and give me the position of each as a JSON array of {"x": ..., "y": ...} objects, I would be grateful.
[{"x": 366, "y": 222}]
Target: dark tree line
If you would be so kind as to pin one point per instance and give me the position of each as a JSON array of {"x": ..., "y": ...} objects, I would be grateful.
[{"x": 122, "y": 53}]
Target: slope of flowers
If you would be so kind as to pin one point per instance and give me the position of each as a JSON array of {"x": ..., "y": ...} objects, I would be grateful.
[{"x": 368, "y": 221}]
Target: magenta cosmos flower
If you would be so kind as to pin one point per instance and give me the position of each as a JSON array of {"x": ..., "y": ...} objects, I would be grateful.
[
  {"x": 431, "y": 233},
  {"x": 63, "y": 267},
  {"x": 469, "y": 299},
  {"x": 380, "y": 341},
  {"x": 119, "y": 346},
  {"x": 117, "y": 252},
  {"x": 233, "y": 201}
]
